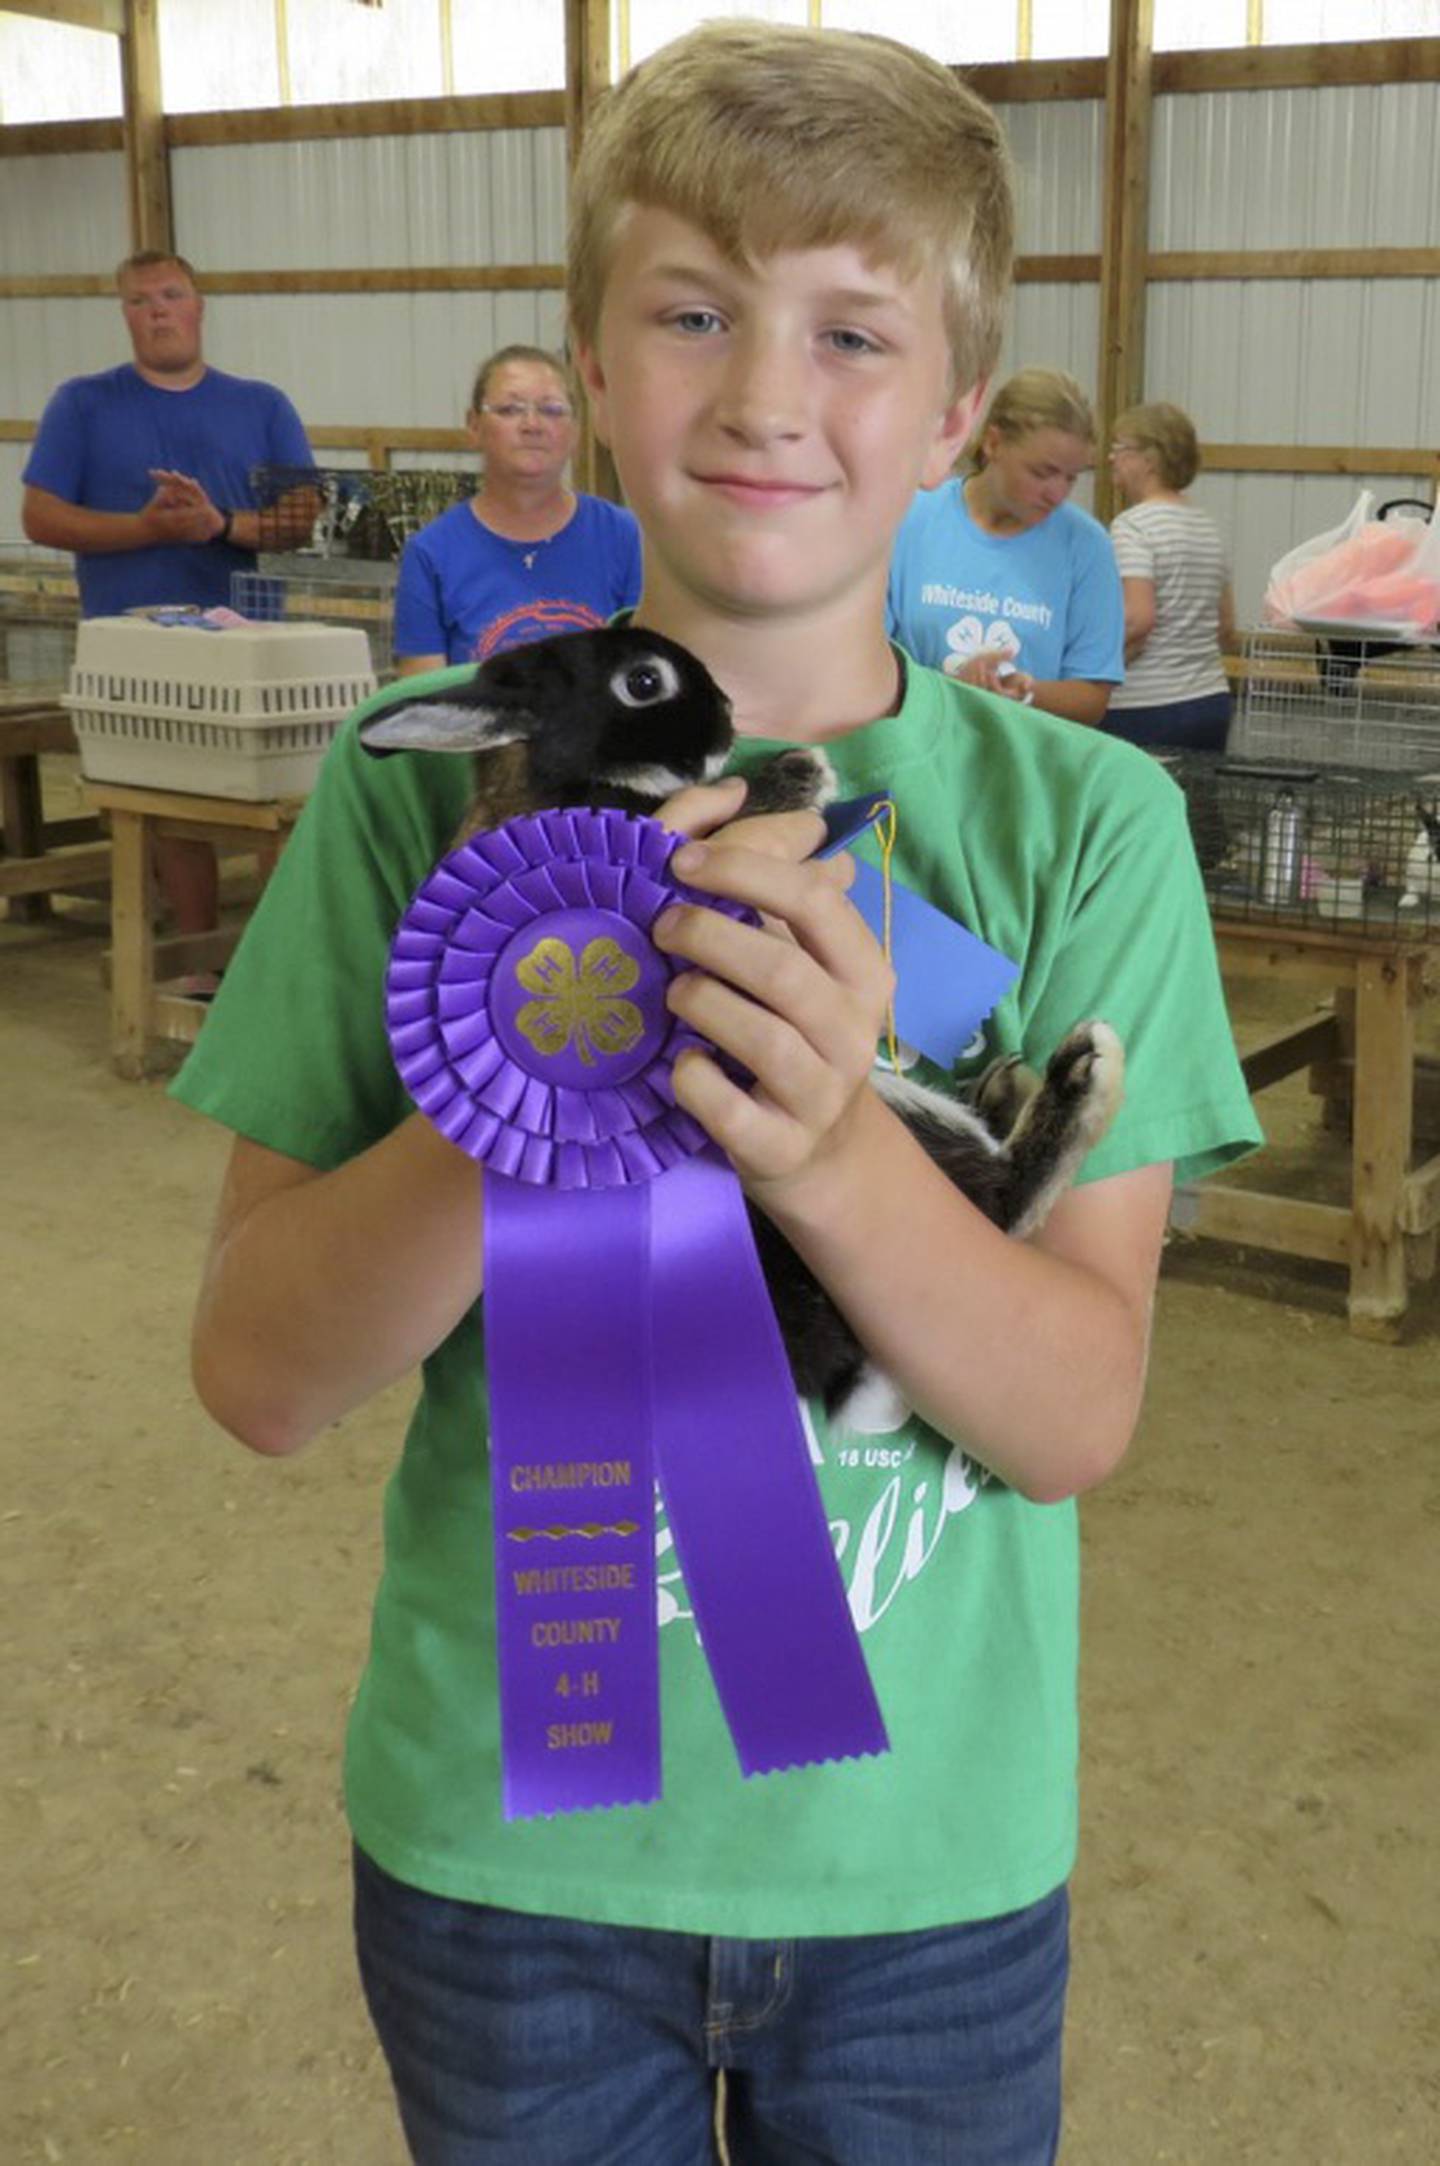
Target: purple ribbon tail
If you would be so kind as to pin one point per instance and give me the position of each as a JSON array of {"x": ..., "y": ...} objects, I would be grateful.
[
  {"x": 749, "y": 1527},
  {"x": 573, "y": 1482}
]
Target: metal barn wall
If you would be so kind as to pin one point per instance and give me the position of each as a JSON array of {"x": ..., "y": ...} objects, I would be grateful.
[
  {"x": 1294, "y": 361},
  {"x": 1059, "y": 154},
  {"x": 345, "y": 359},
  {"x": 63, "y": 214},
  {"x": 1258, "y": 361}
]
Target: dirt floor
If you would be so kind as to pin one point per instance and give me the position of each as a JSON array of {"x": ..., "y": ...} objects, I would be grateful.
[{"x": 1257, "y": 1912}]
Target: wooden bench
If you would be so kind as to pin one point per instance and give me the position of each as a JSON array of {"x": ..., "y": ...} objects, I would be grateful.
[
  {"x": 40, "y": 857},
  {"x": 1385, "y": 1236},
  {"x": 141, "y": 1010}
]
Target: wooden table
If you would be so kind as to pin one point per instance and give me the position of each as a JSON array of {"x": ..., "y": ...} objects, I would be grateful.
[
  {"x": 140, "y": 1009},
  {"x": 1385, "y": 1236},
  {"x": 40, "y": 857}
]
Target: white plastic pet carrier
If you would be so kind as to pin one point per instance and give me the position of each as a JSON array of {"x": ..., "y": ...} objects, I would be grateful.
[{"x": 248, "y": 711}]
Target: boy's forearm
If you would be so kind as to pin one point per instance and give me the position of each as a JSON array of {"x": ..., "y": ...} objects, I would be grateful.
[
  {"x": 326, "y": 1288},
  {"x": 1032, "y": 1361}
]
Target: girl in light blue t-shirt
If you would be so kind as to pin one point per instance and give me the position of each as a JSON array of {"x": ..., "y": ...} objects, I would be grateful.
[{"x": 997, "y": 579}]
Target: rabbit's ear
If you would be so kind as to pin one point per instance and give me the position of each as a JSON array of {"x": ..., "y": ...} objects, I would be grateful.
[{"x": 441, "y": 726}]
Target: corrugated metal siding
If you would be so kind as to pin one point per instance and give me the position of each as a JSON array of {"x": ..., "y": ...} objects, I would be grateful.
[
  {"x": 1325, "y": 361},
  {"x": 371, "y": 359},
  {"x": 1282, "y": 361},
  {"x": 366, "y": 359},
  {"x": 1059, "y": 160},
  {"x": 62, "y": 214},
  {"x": 1329, "y": 361},
  {"x": 1059, "y": 156},
  {"x": 12, "y": 459},
  {"x": 487, "y": 197},
  {"x": 41, "y": 342},
  {"x": 1348, "y": 167}
]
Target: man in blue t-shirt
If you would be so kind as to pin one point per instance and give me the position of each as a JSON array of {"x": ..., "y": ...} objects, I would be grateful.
[{"x": 144, "y": 472}]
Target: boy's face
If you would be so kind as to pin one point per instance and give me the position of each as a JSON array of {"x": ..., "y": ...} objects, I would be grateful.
[{"x": 770, "y": 425}]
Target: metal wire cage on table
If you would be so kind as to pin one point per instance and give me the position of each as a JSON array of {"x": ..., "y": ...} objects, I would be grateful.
[
  {"x": 351, "y": 512},
  {"x": 1283, "y": 843},
  {"x": 39, "y": 611},
  {"x": 1361, "y": 703},
  {"x": 319, "y": 590}
]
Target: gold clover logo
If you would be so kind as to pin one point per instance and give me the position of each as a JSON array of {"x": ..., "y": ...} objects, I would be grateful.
[{"x": 579, "y": 1002}]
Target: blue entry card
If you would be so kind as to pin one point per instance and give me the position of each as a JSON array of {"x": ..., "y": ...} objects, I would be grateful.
[{"x": 947, "y": 981}]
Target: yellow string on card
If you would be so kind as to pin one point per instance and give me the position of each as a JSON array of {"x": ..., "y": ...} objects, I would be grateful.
[{"x": 886, "y": 824}]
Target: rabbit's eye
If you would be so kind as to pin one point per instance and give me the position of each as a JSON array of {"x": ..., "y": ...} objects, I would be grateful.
[{"x": 641, "y": 684}]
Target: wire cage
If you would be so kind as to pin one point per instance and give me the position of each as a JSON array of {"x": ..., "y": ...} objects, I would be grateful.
[
  {"x": 1284, "y": 843},
  {"x": 1362, "y": 703},
  {"x": 39, "y": 610},
  {"x": 319, "y": 590},
  {"x": 352, "y": 513}
]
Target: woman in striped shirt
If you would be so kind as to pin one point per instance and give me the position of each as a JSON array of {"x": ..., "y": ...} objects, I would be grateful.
[{"x": 1179, "y": 609}]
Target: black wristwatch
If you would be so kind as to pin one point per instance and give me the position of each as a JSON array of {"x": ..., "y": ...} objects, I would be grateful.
[{"x": 226, "y": 529}]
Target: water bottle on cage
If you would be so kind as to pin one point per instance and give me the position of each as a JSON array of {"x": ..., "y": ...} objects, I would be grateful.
[{"x": 1281, "y": 860}]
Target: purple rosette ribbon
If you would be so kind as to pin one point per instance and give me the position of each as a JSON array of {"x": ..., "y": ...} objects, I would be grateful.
[{"x": 629, "y": 1333}]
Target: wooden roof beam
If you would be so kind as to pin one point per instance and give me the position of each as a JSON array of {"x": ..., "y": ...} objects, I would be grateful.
[{"x": 104, "y": 15}]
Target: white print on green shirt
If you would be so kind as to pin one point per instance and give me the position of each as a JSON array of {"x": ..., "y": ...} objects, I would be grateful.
[{"x": 882, "y": 1552}]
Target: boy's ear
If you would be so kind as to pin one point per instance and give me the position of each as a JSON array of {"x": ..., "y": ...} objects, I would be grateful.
[
  {"x": 587, "y": 367},
  {"x": 953, "y": 431}
]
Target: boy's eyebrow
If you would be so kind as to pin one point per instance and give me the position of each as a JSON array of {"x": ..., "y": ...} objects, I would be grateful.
[{"x": 848, "y": 298}]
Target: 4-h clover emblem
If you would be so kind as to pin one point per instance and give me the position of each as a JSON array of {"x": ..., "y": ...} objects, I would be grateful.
[
  {"x": 968, "y": 636},
  {"x": 580, "y": 1000}
]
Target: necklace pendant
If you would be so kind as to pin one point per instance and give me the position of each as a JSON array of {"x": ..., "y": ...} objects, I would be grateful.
[{"x": 530, "y": 556}]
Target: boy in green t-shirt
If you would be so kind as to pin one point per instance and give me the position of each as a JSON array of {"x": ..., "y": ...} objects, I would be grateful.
[{"x": 789, "y": 256}]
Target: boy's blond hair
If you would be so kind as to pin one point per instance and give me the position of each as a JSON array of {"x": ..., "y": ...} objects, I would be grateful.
[
  {"x": 1167, "y": 433},
  {"x": 1034, "y": 399},
  {"x": 769, "y": 138}
]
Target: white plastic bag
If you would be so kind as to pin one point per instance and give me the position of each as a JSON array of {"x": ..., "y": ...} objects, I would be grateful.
[{"x": 1369, "y": 574}]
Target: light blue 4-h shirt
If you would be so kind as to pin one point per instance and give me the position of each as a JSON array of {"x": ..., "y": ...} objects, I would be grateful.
[{"x": 1049, "y": 598}]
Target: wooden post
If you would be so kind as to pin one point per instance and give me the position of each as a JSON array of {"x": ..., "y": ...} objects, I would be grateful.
[
  {"x": 147, "y": 163},
  {"x": 1126, "y": 227},
  {"x": 1386, "y": 994},
  {"x": 132, "y": 943},
  {"x": 587, "y": 73}
]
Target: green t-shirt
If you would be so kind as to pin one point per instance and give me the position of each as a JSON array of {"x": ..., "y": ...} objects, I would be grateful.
[{"x": 1069, "y": 852}]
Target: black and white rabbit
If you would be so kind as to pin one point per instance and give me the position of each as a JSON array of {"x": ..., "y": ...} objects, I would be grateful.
[
  {"x": 1422, "y": 867},
  {"x": 624, "y": 717}
]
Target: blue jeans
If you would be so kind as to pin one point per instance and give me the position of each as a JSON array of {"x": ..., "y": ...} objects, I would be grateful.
[
  {"x": 1186, "y": 725},
  {"x": 532, "y": 2041}
]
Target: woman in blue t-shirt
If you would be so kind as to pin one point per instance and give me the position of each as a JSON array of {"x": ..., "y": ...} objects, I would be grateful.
[
  {"x": 997, "y": 578},
  {"x": 526, "y": 555}
]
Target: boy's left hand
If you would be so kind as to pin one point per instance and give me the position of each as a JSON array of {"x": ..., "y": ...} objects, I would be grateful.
[{"x": 799, "y": 1001}]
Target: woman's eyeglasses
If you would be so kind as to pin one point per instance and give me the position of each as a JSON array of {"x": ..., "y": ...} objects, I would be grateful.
[{"x": 552, "y": 410}]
